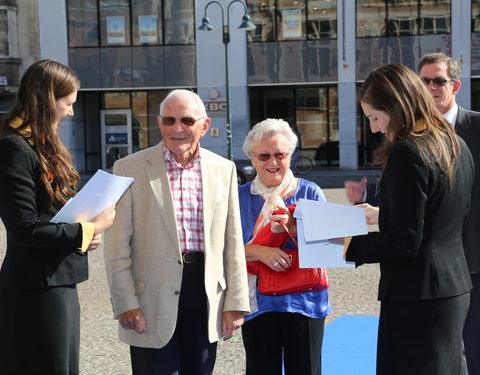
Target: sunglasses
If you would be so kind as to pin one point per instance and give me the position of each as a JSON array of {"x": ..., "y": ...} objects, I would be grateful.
[
  {"x": 439, "y": 82},
  {"x": 170, "y": 121},
  {"x": 265, "y": 156}
]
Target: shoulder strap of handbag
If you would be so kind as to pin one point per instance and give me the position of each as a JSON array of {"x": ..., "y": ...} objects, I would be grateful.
[{"x": 289, "y": 234}]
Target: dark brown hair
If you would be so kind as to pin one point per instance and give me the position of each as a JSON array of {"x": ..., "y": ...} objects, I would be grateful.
[
  {"x": 399, "y": 92},
  {"x": 453, "y": 67},
  {"x": 43, "y": 83}
]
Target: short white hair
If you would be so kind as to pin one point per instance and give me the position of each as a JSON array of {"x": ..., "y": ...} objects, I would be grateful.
[
  {"x": 270, "y": 127},
  {"x": 187, "y": 93}
]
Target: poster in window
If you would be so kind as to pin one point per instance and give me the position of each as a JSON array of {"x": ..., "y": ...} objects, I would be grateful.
[
  {"x": 292, "y": 23},
  {"x": 147, "y": 29},
  {"x": 116, "y": 30}
]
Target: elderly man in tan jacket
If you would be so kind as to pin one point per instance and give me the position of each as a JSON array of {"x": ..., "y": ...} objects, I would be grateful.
[{"x": 174, "y": 256}]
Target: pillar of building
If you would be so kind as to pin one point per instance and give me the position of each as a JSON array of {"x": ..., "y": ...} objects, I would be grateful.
[
  {"x": 461, "y": 47},
  {"x": 211, "y": 77},
  {"x": 54, "y": 45},
  {"x": 347, "y": 103}
]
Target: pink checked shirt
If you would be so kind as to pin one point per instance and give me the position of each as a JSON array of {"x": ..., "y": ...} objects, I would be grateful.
[{"x": 186, "y": 186}]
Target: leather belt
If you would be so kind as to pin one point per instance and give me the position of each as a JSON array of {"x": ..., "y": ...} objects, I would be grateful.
[{"x": 192, "y": 257}]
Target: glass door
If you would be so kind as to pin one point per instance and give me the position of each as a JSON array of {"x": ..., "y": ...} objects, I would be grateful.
[{"x": 116, "y": 135}]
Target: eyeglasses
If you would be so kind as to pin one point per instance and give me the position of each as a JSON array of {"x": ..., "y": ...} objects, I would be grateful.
[
  {"x": 265, "y": 156},
  {"x": 439, "y": 82},
  {"x": 170, "y": 121}
]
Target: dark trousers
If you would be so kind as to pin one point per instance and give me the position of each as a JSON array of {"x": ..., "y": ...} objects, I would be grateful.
[
  {"x": 471, "y": 331},
  {"x": 189, "y": 351},
  {"x": 422, "y": 337},
  {"x": 298, "y": 337}
]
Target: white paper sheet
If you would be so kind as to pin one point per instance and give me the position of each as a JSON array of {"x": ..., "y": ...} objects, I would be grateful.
[
  {"x": 322, "y": 220},
  {"x": 101, "y": 191},
  {"x": 323, "y": 253},
  {"x": 317, "y": 222}
]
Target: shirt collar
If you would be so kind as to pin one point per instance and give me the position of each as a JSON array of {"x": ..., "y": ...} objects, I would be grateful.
[
  {"x": 25, "y": 132},
  {"x": 171, "y": 158},
  {"x": 452, "y": 114}
]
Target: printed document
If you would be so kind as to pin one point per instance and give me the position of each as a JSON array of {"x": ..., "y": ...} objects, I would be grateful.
[
  {"x": 101, "y": 191},
  {"x": 320, "y": 222}
]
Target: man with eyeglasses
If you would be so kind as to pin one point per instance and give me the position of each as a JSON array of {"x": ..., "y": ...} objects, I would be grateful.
[
  {"x": 441, "y": 75},
  {"x": 174, "y": 256}
]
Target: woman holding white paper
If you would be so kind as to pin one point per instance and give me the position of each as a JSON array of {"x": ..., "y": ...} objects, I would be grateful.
[
  {"x": 424, "y": 197},
  {"x": 290, "y": 325},
  {"x": 44, "y": 261}
]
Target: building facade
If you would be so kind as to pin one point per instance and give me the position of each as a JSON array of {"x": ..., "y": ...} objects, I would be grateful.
[
  {"x": 304, "y": 63},
  {"x": 19, "y": 45}
]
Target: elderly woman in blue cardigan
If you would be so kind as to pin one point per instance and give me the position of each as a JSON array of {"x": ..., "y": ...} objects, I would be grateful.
[{"x": 283, "y": 326}]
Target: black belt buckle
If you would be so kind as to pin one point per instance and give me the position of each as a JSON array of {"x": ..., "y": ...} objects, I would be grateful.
[{"x": 192, "y": 257}]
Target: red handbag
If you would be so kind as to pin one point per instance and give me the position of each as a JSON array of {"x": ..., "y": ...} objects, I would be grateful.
[{"x": 294, "y": 280}]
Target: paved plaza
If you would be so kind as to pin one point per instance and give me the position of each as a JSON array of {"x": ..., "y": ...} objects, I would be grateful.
[{"x": 352, "y": 292}]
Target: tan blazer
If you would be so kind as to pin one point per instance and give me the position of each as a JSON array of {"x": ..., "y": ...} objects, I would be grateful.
[{"x": 142, "y": 251}]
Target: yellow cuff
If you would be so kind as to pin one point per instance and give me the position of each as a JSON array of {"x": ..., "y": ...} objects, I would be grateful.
[
  {"x": 88, "y": 230},
  {"x": 346, "y": 243}
]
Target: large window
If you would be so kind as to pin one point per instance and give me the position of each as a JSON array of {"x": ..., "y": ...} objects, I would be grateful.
[
  {"x": 179, "y": 22},
  {"x": 4, "y": 33},
  {"x": 475, "y": 60},
  {"x": 377, "y": 18},
  {"x": 322, "y": 19},
  {"x": 83, "y": 23},
  {"x": 475, "y": 16},
  {"x": 113, "y": 23},
  {"x": 8, "y": 32},
  {"x": 147, "y": 22},
  {"x": 144, "y": 123},
  {"x": 311, "y": 111},
  {"x": 292, "y": 19},
  {"x": 317, "y": 119}
]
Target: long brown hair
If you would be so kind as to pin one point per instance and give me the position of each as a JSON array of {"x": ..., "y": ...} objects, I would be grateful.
[
  {"x": 43, "y": 83},
  {"x": 399, "y": 92}
]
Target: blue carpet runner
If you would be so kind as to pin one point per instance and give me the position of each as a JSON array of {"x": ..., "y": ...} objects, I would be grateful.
[{"x": 350, "y": 346}]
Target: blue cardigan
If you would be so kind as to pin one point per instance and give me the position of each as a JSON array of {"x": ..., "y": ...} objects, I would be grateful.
[{"x": 312, "y": 304}]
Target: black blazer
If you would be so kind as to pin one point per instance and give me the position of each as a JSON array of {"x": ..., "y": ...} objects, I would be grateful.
[
  {"x": 419, "y": 245},
  {"x": 39, "y": 253},
  {"x": 468, "y": 127}
]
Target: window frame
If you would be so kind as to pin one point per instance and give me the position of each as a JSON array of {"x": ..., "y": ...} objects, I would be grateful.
[{"x": 11, "y": 32}]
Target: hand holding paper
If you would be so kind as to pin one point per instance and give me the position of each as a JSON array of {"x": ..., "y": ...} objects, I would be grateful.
[
  {"x": 371, "y": 213},
  {"x": 104, "y": 220}
]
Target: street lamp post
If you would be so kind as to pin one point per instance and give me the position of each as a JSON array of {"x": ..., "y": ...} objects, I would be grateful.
[{"x": 245, "y": 25}]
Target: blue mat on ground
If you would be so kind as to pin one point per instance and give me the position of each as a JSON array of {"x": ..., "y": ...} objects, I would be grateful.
[{"x": 350, "y": 346}]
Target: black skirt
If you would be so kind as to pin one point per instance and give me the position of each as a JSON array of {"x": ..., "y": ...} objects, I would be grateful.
[
  {"x": 40, "y": 331},
  {"x": 422, "y": 337}
]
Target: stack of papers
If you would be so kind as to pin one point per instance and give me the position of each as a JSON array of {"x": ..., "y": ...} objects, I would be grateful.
[
  {"x": 317, "y": 224},
  {"x": 101, "y": 191}
]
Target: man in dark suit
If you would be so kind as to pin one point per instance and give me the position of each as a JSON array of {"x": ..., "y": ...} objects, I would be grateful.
[{"x": 441, "y": 74}]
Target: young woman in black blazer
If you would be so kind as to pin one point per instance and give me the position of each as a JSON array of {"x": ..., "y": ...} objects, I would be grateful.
[
  {"x": 424, "y": 197},
  {"x": 44, "y": 261}
]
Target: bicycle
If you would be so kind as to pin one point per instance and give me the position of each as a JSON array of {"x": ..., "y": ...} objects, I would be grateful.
[{"x": 302, "y": 165}]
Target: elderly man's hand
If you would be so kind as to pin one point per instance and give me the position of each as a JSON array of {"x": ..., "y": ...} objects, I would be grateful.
[
  {"x": 231, "y": 321},
  {"x": 134, "y": 320}
]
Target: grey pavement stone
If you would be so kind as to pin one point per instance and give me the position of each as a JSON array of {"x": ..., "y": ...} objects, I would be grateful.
[{"x": 352, "y": 292}]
